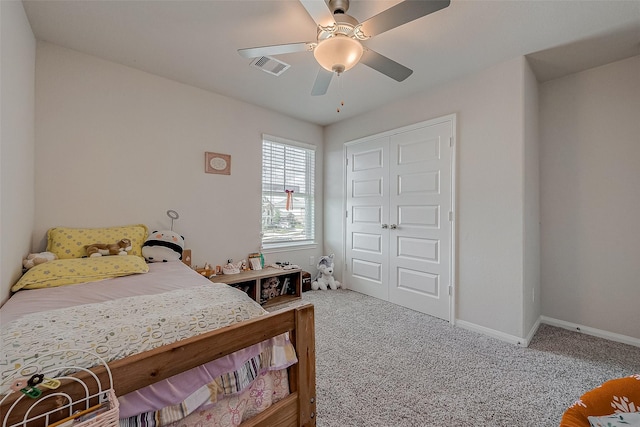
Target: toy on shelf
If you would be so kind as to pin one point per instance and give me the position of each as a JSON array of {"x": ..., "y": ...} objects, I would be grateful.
[
  {"x": 270, "y": 288},
  {"x": 232, "y": 268},
  {"x": 207, "y": 271},
  {"x": 285, "y": 266}
]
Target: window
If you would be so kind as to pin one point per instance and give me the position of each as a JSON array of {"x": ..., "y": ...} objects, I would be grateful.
[{"x": 288, "y": 172}]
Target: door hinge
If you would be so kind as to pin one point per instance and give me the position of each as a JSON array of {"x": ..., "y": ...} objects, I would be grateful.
[
  {"x": 450, "y": 216},
  {"x": 450, "y": 141},
  {"x": 347, "y": 160},
  {"x": 450, "y": 290},
  {"x": 346, "y": 214}
]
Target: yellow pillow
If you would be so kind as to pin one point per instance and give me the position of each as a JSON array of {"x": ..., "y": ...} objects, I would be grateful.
[
  {"x": 62, "y": 272},
  {"x": 68, "y": 242}
]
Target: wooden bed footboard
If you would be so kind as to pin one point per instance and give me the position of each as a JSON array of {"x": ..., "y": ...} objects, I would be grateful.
[{"x": 141, "y": 370}]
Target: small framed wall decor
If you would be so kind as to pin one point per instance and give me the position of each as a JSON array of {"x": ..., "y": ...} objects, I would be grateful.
[{"x": 217, "y": 163}]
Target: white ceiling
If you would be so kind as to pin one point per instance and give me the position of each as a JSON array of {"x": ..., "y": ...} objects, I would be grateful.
[{"x": 196, "y": 42}]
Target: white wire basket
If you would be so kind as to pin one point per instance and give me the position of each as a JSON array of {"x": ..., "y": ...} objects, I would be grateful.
[{"x": 95, "y": 406}]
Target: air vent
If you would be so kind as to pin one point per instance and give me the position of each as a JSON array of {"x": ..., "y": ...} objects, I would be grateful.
[{"x": 270, "y": 65}]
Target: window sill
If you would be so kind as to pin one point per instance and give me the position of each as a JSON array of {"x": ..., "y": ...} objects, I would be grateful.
[{"x": 287, "y": 247}]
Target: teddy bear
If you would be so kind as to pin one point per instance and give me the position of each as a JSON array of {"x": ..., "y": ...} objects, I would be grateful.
[
  {"x": 163, "y": 246},
  {"x": 324, "y": 278},
  {"x": 270, "y": 288},
  {"x": 38, "y": 258},
  {"x": 121, "y": 247}
]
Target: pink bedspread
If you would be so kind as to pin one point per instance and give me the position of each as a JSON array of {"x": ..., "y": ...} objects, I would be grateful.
[{"x": 162, "y": 277}]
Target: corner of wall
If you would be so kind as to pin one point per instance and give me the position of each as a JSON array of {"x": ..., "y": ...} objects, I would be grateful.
[
  {"x": 17, "y": 141},
  {"x": 531, "y": 201}
]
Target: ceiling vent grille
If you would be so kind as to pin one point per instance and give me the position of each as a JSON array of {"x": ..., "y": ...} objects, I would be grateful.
[{"x": 270, "y": 65}]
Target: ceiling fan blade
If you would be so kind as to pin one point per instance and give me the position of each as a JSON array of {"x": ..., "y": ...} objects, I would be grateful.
[
  {"x": 319, "y": 12},
  {"x": 322, "y": 82},
  {"x": 278, "y": 49},
  {"x": 386, "y": 66},
  {"x": 400, "y": 14}
]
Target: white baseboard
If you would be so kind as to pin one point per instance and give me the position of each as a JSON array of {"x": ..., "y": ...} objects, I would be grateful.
[
  {"x": 524, "y": 342},
  {"x": 591, "y": 331},
  {"x": 496, "y": 334},
  {"x": 533, "y": 331}
]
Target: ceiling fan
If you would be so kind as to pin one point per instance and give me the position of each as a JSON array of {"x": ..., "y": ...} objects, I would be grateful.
[{"x": 339, "y": 43}]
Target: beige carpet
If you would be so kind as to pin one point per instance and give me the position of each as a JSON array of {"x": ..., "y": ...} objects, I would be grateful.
[{"x": 379, "y": 364}]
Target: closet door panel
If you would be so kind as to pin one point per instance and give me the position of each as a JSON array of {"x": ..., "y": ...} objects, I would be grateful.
[
  {"x": 367, "y": 210},
  {"x": 419, "y": 209}
]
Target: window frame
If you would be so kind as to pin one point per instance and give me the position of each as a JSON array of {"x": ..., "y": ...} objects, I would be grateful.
[{"x": 310, "y": 198}]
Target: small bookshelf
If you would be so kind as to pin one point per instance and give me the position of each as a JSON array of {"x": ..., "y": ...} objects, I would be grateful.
[{"x": 280, "y": 285}]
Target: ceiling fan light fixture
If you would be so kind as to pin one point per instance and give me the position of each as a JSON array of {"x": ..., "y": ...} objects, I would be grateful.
[{"x": 338, "y": 53}]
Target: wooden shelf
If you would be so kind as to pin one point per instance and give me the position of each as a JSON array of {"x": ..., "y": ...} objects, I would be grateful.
[{"x": 251, "y": 282}]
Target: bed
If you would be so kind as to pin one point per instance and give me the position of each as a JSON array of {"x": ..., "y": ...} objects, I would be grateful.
[{"x": 182, "y": 351}]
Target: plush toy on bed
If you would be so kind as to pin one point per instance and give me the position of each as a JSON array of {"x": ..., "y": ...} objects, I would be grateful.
[
  {"x": 325, "y": 278},
  {"x": 121, "y": 247},
  {"x": 40, "y": 258},
  {"x": 163, "y": 246}
]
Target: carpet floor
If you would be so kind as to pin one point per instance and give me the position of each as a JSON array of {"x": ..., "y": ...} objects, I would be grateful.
[{"x": 379, "y": 364}]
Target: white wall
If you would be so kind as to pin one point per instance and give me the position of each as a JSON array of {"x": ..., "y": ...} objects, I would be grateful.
[
  {"x": 18, "y": 53},
  {"x": 590, "y": 204},
  {"x": 115, "y": 145},
  {"x": 489, "y": 216},
  {"x": 531, "y": 272}
]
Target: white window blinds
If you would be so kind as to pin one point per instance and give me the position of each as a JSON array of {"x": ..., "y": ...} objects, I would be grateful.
[{"x": 288, "y": 171}]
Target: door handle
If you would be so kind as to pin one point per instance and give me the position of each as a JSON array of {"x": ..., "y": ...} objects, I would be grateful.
[
  {"x": 385, "y": 226},
  {"x": 393, "y": 226}
]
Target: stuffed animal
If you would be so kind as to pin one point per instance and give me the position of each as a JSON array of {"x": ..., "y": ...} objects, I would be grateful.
[
  {"x": 121, "y": 247},
  {"x": 270, "y": 288},
  {"x": 231, "y": 267},
  {"x": 324, "y": 277},
  {"x": 163, "y": 246},
  {"x": 40, "y": 258}
]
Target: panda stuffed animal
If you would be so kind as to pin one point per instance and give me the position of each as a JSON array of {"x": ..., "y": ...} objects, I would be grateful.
[{"x": 163, "y": 246}]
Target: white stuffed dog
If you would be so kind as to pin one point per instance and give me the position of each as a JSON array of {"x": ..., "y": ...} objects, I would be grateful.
[{"x": 325, "y": 278}]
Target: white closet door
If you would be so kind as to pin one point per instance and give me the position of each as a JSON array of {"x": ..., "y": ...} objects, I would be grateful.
[
  {"x": 420, "y": 230},
  {"x": 398, "y": 233},
  {"x": 367, "y": 209}
]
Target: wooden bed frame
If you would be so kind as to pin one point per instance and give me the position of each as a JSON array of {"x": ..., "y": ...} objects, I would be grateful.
[{"x": 141, "y": 370}]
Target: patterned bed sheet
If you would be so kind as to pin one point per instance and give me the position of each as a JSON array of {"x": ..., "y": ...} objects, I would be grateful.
[
  {"x": 229, "y": 411},
  {"x": 117, "y": 328}
]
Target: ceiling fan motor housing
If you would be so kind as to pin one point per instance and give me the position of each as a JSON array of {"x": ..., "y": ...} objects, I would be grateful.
[
  {"x": 338, "y": 6},
  {"x": 345, "y": 25}
]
